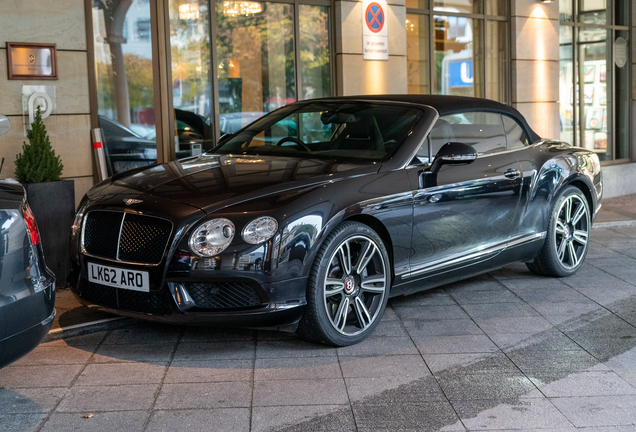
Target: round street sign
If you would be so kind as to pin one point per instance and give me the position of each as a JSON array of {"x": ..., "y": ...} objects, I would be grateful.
[{"x": 374, "y": 17}]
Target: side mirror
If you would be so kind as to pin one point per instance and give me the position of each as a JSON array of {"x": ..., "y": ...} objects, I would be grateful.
[{"x": 451, "y": 153}]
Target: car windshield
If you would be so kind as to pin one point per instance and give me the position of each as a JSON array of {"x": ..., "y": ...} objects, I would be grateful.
[{"x": 355, "y": 130}]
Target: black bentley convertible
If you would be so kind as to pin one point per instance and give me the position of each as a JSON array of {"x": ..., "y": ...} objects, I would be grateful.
[{"x": 320, "y": 211}]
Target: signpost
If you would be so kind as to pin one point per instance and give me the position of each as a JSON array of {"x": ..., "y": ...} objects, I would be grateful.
[{"x": 375, "y": 35}]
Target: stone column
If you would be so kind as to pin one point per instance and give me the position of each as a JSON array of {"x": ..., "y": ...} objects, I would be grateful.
[
  {"x": 355, "y": 76},
  {"x": 535, "y": 64}
]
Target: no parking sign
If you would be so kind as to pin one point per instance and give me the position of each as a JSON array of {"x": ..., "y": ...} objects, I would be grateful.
[{"x": 375, "y": 35}]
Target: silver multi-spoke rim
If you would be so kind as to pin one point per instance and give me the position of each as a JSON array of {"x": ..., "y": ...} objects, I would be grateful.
[
  {"x": 572, "y": 231},
  {"x": 355, "y": 285}
]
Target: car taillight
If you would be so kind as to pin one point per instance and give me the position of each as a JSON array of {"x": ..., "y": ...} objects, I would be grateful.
[{"x": 32, "y": 226}]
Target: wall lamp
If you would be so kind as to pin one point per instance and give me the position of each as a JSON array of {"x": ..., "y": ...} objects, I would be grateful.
[{"x": 546, "y": 1}]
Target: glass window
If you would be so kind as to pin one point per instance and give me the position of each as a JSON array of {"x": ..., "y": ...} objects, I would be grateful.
[
  {"x": 496, "y": 7},
  {"x": 191, "y": 77},
  {"x": 594, "y": 79},
  {"x": 593, "y": 11},
  {"x": 417, "y": 58},
  {"x": 125, "y": 83},
  {"x": 515, "y": 135},
  {"x": 565, "y": 10},
  {"x": 465, "y": 6},
  {"x": 422, "y": 153},
  {"x": 593, "y": 102},
  {"x": 314, "y": 51},
  {"x": 342, "y": 131},
  {"x": 621, "y": 97},
  {"x": 566, "y": 86},
  {"x": 417, "y": 4},
  {"x": 458, "y": 56},
  {"x": 496, "y": 60},
  {"x": 484, "y": 131},
  {"x": 255, "y": 59}
]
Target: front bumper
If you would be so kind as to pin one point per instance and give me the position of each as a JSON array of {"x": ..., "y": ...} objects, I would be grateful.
[{"x": 282, "y": 303}]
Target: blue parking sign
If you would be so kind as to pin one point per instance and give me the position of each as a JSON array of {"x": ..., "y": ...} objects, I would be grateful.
[{"x": 460, "y": 73}]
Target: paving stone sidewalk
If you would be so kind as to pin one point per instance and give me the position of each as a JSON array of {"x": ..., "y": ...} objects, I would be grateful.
[{"x": 503, "y": 351}]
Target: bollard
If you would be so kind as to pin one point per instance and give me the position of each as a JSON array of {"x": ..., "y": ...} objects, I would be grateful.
[{"x": 100, "y": 158}]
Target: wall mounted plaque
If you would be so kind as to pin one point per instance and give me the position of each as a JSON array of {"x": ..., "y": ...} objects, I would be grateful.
[{"x": 31, "y": 61}]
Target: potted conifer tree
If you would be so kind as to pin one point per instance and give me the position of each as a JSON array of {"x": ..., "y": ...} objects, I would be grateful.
[{"x": 52, "y": 200}]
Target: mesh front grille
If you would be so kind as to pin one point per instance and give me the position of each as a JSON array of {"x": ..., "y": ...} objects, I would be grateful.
[
  {"x": 223, "y": 295},
  {"x": 135, "y": 301},
  {"x": 143, "y": 238},
  {"x": 101, "y": 231}
]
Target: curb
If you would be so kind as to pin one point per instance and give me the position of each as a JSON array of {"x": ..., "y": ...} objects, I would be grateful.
[
  {"x": 627, "y": 223},
  {"x": 88, "y": 327}
]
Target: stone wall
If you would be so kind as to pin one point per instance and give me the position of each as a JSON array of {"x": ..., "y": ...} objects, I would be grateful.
[
  {"x": 535, "y": 64},
  {"x": 355, "y": 76},
  {"x": 61, "y": 22}
]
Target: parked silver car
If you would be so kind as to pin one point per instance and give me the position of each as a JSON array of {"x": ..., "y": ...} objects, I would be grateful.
[{"x": 27, "y": 286}]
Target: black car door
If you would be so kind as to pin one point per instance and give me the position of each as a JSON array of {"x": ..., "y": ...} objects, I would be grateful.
[{"x": 468, "y": 215}]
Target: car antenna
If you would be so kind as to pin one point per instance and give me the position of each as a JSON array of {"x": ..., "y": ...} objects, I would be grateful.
[{"x": 1, "y": 165}]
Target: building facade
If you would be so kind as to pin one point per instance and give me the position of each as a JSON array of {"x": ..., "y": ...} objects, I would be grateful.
[{"x": 163, "y": 79}]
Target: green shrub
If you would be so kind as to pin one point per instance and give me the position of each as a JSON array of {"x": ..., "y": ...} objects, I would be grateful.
[{"x": 37, "y": 163}]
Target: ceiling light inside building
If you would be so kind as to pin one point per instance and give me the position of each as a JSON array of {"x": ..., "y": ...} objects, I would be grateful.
[
  {"x": 189, "y": 11},
  {"x": 246, "y": 8}
]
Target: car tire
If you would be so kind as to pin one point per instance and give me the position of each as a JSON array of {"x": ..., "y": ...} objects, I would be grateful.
[
  {"x": 567, "y": 236},
  {"x": 348, "y": 287}
]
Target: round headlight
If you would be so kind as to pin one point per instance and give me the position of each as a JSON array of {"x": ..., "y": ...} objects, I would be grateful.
[
  {"x": 212, "y": 237},
  {"x": 260, "y": 230}
]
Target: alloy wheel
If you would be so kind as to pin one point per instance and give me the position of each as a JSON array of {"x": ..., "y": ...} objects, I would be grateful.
[
  {"x": 355, "y": 285},
  {"x": 572, "y": 231}
]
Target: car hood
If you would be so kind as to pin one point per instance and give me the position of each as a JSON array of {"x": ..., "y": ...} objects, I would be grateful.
[{"x": 211, "y": 182}]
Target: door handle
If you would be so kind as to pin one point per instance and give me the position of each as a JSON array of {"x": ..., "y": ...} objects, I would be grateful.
[{"x": 512, "y": 174}]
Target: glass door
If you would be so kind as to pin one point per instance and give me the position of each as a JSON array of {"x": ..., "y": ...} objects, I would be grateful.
[
  {"x": 191, "y": 76},
  {"x": 125, "y": 78},
  {"x": 234, "y": 61}
]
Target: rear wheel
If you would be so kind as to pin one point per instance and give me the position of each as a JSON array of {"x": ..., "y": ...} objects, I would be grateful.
[
  {"x": 567, "y": 238},
  {"x": 348, "y": 287}
]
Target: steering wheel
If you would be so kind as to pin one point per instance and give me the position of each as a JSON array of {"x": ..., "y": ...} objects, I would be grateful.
[{"x": 296, "y": 141}]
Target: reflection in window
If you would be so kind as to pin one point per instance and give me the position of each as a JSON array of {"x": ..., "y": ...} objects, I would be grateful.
[
  {"x": 417, "y": 48},
  {"x": 327, "y": 130},
  {"x": 191, "y": 76},
  {"x": 124, "y": 78},
  {"x": 459, "y": 63},
  {"x": 142, "y": 30},
  {"x": 515, "y": 136},
  {"x": 255, "y": 61},
  {"x": 594, "y": 86},
  {"x": 314, "y": 51},
  {"x": 465, "y": 6},
  {"x": 496, "y": 60},
  {"x": 593, "y": 11},
  {"x": 592, "y": 103},
  {"x": 566, "y": 89},
  {"x": 484, "y": 131},
  {"x": 458, "y": 56}
]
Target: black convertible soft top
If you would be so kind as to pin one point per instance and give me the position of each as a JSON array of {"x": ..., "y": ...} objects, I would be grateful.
[{"x": 450, "y": 105}]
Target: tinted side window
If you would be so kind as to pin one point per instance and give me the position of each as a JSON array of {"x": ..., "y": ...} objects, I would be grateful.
[
  {"x": 514, "y": 132},
  {"x": 421, "y": 156},
  {"x": 484, "y": 131}
]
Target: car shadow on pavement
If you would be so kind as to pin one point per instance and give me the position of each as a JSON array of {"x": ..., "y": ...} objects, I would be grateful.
[{"x": 19, "y": 409}]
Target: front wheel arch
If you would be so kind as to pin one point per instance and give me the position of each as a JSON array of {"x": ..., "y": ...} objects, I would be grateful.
[
  {"x": 580, "y": 184},
  {"x": 377, "y": 226}
]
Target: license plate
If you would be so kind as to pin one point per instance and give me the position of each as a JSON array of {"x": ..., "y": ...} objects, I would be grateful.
[{"x": 119, "y": 278}]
